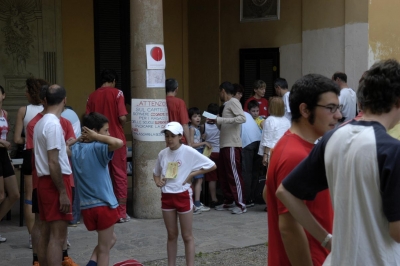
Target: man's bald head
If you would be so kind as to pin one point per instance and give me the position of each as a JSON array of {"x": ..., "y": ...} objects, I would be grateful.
[{"x": 55, "y": 94}]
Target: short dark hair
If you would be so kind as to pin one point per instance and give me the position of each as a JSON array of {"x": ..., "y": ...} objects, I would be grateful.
[
  {"x": 213, "y": 108},
  {"x": 379, "y": 91},
  {"x": 2, "y": 90},
  {"x": 193, "y": 111},
  {"x": 227, "y": 87},
  {"x": 34, "y": 87},
  {"x": 238, "y": 88},
  {"x": 281, "y": 82},
  {"x": 94, "y": 120},
  {"x": 55, "y": 94},
  {"x": 108, "y": 75},
  {"x": 308, "y": 90},
  {"x": 342, "y": 76},
  {"x": 252, "y": 104},
  {"x": 171, "y": 85}
]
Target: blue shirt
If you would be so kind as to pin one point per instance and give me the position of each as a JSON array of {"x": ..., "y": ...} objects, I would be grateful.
[
  {"x": 90, "y": 168},
  {"x": 250, "y": 131}
]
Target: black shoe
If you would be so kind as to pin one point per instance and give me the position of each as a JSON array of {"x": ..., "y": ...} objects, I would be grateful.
[
  {"x": 249, "y": 204},
  {"x": 213, "y": 204}
]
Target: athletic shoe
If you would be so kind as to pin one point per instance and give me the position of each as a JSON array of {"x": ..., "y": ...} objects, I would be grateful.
[
  {"x": 124, "y": 220},
  {"x": 128, "y": 218},
  {"x": 225, "y": 207},
  {"x": 213, "y": 204},
  {"x": 2, "y": 239},
  {"x": 249, "y": 204},
  {"x": 238, "y": 210},
  {"x": 68, "y": 262},
  {"x": 204, "y": 208},
  {"x": 68, "y": 244},
  {"x": 196, "y": 210},
  {"x": 30, "y": 242},
  {"x": 72, "y": 225}
]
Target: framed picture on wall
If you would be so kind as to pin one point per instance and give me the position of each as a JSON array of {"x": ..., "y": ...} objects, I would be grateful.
[{"x": 259, "y": 10}]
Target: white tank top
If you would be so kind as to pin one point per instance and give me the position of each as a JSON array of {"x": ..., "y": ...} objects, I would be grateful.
[
  {"x": 3, "y": 126},
  {"x": 212, "y": 136},
  {"x": 31, "y": 112}
]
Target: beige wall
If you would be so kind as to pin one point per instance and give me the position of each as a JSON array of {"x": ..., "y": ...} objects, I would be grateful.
[
  {"x": 384, "y": 30},
  {"x": 78, "y": 52}
]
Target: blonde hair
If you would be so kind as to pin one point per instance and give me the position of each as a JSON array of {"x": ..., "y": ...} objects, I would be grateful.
[{"x": 276, "y": 106}]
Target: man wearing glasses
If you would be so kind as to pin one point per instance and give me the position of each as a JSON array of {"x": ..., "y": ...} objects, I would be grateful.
[
  {"x": 315, "y": 109},
  {"x": 358, "y": 162}
]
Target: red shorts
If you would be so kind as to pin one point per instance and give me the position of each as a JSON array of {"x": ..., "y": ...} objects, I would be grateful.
[
  {"x": 49, "y": 199},
  {"x": 213, "y": 175},
  {"x": 99, "y": 218},
  {"x": 180, "y": 202}
]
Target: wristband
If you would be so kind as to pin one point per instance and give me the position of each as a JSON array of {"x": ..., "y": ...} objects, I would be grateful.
[{"x": 326, "y": 240}]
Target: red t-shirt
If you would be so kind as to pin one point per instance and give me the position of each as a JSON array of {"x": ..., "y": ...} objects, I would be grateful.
[
  {"x": 68, "y": 133},
  {"x": 263, "y": 105},
  {"x": 109, "y": 102},
  {"x": 286, "y": 155},
  {"x": 177, "y": 112}
]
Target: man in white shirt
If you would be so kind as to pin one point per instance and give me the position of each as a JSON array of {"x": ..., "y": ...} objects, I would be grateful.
[
  {"x": 347, "y": 97},
  {"x": 54, "y": 170},
  {"x": 282, "y": 90}
]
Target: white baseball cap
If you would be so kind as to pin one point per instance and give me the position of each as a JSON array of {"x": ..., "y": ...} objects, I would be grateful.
[{"x": 174, "y": 127}]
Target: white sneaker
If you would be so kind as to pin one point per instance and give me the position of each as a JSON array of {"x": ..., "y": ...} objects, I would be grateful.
[
  {"x": 196, "y": 210},
  {"x": 225, "y": 207},
  {"x": 2, "y": 239},
  {"x": 30, "y": 241},
  {"x": 204, "y": 208},
  {"x": 238, "y": 210}
]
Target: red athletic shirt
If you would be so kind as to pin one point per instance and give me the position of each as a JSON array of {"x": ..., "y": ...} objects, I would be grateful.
[
  {"x": 287, "y": 154},
  {"x": 68, "y": 133},
  {"x": 263, "y": 105},
  {"x": 109, "y": 102},
  {"x": 177, "y": 111}
]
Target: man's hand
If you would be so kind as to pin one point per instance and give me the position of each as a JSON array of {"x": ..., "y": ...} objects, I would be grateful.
[
  {"x": 6, "y": 144},
  {"x": 161, "y": 182},
  {"x": 65, "y": 203}
]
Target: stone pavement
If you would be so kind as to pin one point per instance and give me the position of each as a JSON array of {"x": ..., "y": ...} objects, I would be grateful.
[{"x": 145, "y": 239}]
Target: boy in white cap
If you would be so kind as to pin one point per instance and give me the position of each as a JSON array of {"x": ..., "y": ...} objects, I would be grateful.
[{"x": 176, "y": 166}]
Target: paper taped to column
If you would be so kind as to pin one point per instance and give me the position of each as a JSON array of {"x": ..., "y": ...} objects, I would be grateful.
[{"x": 149, "y": 117}]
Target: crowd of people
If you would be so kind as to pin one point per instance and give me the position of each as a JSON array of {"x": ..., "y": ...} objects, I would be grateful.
[{"x": 325, "y": 151}]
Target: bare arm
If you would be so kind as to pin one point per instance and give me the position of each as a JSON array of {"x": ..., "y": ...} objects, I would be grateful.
[
  {"x": 90, "y": 135},
  {"x": 394, "y": 231},
  {"x": 19, "y": 126},
  {"x": 56, "y": 176},
  {"x": 265, "y": 194},
  {"x": 294, "y": 240},
  {"x": 122, "y": 120},
  {"x": 186, "y": 133},
  {"x": 265, "y": 160},
  {"x": 198, "y": 172},
  {"x": 302, "y": 214},
  {"x": 159, "y": 182}
]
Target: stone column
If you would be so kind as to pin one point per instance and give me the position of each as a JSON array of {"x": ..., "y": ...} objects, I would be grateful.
[{"x": 146, "y": 28}]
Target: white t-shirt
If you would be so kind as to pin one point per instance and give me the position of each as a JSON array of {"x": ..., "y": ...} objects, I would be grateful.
[
  {"x": 348, "y": 98},
  {"x": 48, "y": 135},
  {"x": 188, "y": 160},
  {"x": 273, "y": 130},
  {"x": 288, "y": 113}
]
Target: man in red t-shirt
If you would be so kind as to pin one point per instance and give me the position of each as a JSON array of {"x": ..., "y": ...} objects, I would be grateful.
[
  {"x": 259, "y": 88},
  {"x": 177, "y": 110},
  {"x": 110, "y": 102},
  {"x": 315, "y": 110}
]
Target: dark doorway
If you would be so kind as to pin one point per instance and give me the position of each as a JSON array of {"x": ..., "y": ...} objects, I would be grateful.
[
  {"x": 260, "y": 63},
  {"x": 112, "y": 42}
]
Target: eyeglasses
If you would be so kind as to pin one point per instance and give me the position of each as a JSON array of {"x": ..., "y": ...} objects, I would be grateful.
[{"x": 332, "y": 108}]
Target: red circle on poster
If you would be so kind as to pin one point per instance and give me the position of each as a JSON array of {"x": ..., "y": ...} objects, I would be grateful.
[{"x": 156, "y": 53}]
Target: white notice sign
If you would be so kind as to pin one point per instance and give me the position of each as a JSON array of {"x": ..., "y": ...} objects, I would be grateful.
[{"x": 149, "y": 117}]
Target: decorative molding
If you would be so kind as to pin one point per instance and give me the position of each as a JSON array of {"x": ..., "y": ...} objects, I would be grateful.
[{"x": 259, "y": 10}]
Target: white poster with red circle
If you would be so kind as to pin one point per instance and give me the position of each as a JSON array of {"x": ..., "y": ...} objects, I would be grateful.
[{"x": 155, "y": 56}]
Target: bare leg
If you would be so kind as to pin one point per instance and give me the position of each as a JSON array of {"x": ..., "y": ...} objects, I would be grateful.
[
  {"x": 212, "y": 187},
  {"x": 29, "y": 216},
  {"x": 43, "y": 243},
  {"x": 106, "y": 240},
  {"x": 2, "y": 194},
  {"x": 36, "y": 234},
  {"x": 186, "y": 221},
  {"x": 11, "y": 186},
  {"x": 197, "y": 189},
  {"x": 58, "y": 234},
  {"x": 171, "y": 223}
]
